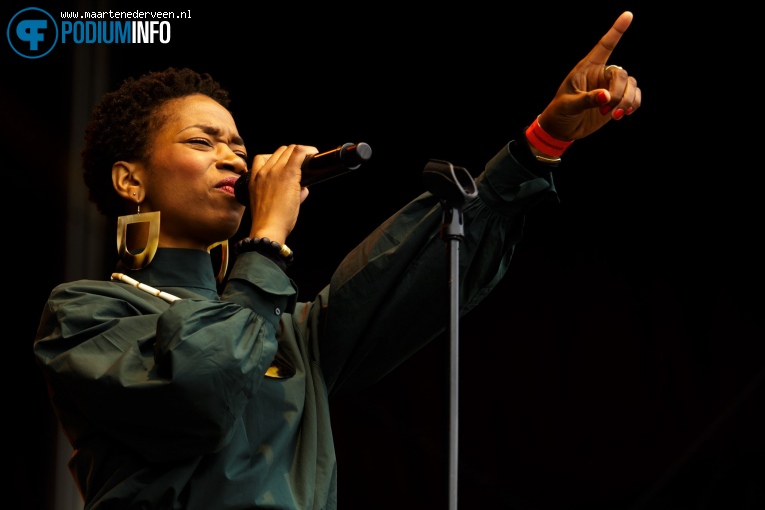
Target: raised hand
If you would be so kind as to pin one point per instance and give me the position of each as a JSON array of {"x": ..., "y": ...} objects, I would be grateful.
[
  {"x": 594, "y": 92},
  {"x": 275, "y": 191}
]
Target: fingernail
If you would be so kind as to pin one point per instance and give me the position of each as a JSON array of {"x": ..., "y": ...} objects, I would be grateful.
[
  {"x": 605, "y": 109},
  {"x": 601, "y": 97},
  {"x": 630, "y": 110},
  {"x": 618, "y": 113}
]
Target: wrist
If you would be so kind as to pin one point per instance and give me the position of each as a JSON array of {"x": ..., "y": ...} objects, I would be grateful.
[
  {"x": 521, "y": 151},
  {"x": 273, "y": 235},
  {"x": 541, "y": 157},
  {"x": 277, "y": 252},
  {"x": 546, "y": 148}
]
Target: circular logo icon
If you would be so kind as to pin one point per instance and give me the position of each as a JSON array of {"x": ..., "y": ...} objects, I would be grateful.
[{"x": 32, "y": 32}]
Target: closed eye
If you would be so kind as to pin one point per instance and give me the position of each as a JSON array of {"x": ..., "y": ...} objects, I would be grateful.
[
  {"x": 201, "y": 141},
  {"x": 208, "y": 143}
]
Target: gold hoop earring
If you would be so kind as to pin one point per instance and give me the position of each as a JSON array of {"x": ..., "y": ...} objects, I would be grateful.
[
  {"x": 142, "y": 259},
  {"x": 224, "y": 260}
]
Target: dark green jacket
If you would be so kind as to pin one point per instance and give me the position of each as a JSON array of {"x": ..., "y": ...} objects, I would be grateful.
[{"x": 173, "y": 406}]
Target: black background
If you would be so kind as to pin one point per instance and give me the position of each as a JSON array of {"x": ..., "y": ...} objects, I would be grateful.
[{"x": 619, "y": 365}]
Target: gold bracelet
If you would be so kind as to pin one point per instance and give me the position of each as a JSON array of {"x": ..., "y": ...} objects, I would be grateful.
[{"x": 541, "y": 157}]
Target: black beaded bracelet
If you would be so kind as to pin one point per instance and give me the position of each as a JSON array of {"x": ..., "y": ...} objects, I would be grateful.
[{"x": 279, "y": 253}]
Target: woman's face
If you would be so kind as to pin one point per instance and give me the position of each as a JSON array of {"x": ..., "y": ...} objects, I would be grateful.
[{"x": 195, "y": 158}]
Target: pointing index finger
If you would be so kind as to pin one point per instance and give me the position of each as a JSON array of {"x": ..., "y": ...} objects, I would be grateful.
[{"x": 598, "y": 56}]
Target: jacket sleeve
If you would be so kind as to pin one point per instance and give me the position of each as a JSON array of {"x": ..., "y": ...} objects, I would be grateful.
[
  {"x": 391, "y": 295},
  {"x": 168, "y": 380}
]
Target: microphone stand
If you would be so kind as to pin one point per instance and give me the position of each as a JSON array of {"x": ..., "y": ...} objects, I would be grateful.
[{"x": 454, "y": 187}]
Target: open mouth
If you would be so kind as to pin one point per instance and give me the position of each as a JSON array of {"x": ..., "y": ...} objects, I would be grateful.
[{"x": 227, "y": 185}]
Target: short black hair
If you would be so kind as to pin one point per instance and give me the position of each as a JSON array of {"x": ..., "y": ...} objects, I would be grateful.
[{"x": 125, "y": 120}]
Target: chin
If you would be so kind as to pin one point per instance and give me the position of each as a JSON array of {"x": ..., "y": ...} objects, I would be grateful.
[{"x": 232, "y": 228}]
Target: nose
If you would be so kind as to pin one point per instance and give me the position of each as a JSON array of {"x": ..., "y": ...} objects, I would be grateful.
[{"x": 229, "y": 160}]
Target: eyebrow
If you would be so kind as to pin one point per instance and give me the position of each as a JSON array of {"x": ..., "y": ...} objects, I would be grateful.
[{"x": 213, "y": 131}]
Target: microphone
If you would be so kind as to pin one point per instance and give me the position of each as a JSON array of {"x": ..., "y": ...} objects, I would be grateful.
[{"x": 317, "y": 167}]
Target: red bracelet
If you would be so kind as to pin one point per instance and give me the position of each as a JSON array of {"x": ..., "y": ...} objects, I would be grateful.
[{"x": 545, "y": 143}]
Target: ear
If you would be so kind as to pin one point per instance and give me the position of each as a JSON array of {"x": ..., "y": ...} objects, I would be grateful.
[{"x": 127, "y": 179}]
